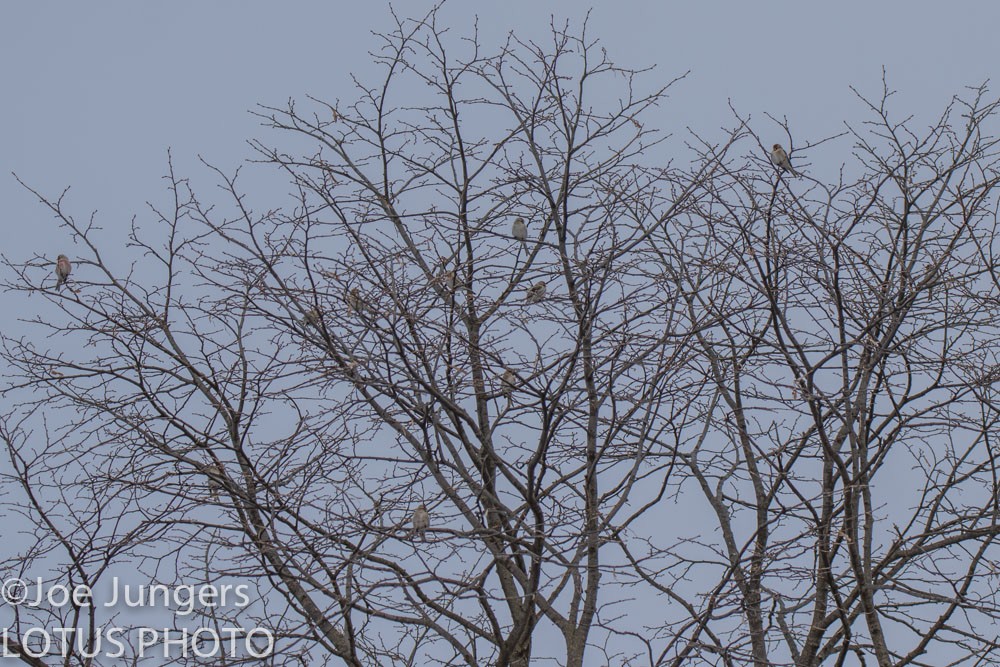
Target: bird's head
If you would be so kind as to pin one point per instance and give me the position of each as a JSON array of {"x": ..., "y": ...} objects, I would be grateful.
[
  {"x": 62, "y": 258},
  {"x": 776, "y": 148}
]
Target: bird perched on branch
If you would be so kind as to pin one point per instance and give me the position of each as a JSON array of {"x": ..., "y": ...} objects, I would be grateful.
[
  {"x": 536, "y": 292},
  {"x": 448, "y": 280},
  {"x": 519, "y": 230},
  {"x": 801, "y": 388},
  {"x": 780, "y": 159},
  {"x": 421, "y": 522},
  {"x": 312, "y": 318},
  {"x": 507, "y": 382},
  {"x": 214, "y": 486},
  {"x": 353, "y": 301},
  {"x": 63, "y": 269}
]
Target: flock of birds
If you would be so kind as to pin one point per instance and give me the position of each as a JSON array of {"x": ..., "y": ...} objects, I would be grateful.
[
  {"x": 420, "y": 520},
  {"x": 519, "y": 230}
]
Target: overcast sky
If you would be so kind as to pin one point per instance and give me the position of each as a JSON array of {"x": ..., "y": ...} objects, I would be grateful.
[{"x": 95, "y": 93}]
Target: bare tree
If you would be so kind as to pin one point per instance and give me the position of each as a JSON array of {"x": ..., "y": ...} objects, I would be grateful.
[{"x": 703, "y": 413}]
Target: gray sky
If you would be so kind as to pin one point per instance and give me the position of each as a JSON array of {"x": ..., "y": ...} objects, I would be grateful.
[{"x": 95, "y": 93}]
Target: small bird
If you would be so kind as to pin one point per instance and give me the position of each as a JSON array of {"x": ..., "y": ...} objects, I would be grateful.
[
  {"x": 353, "y": 301},
  {"x": 519, "y": 230},
  {"x": 63, "y": 269},
  {"x": 508, "y": 382},
  {"x": 312, "y": 318},
  {"x": 421, "y": 521},
  {"x": 448, "y": 280},
  {"x": 535, "y": 293},
  {"x": 780, "y": 159},
  {"x": 801, "y": 388},
  {"x": 214, "y": 486}
]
